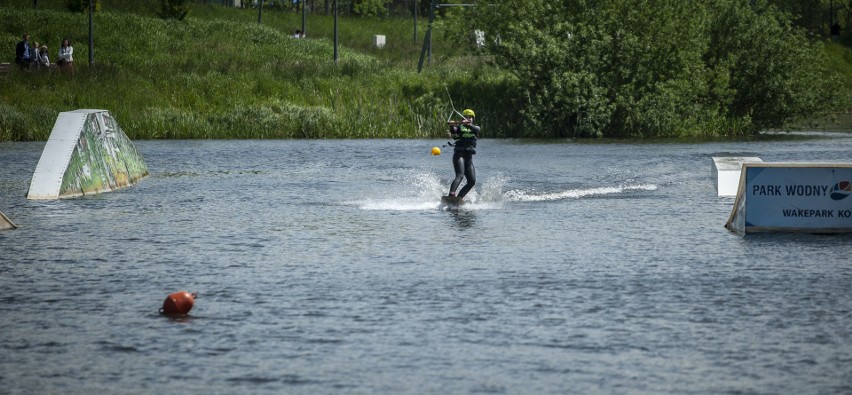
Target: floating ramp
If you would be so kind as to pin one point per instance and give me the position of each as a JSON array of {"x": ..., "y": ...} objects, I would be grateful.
[
  {"x": 726, "y": 172},
  {"x": 5, "y": 223},
  {"x": 793, "y": 197},
  {"x": 87, "y": 153}
]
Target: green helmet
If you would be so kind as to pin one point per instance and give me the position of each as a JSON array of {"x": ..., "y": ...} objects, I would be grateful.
[{"x": 468, "y": 113}]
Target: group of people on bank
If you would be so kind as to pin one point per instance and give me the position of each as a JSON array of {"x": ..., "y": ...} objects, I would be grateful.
[{"x": 34, "y": 56}]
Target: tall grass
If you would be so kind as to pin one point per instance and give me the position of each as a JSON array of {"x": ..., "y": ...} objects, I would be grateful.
[
  {"x": 220, "y": 74},
  {"x": 225, "y": 78}
]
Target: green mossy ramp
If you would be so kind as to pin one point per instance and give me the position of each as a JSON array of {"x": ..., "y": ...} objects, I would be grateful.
[{"x": 87, "y": 153}]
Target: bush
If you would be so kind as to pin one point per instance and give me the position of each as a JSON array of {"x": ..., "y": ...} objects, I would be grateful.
[
  {"x": 663, "y": 68},
  {"x": 81, "y": 5},
  {"x": 370, "y": 7},
  {"x": 775, "y": 75},
  {"x": 173, "y": 9}
]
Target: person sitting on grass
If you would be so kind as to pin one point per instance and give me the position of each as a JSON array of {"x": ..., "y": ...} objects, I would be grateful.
[{"x": 43, "y": 59}]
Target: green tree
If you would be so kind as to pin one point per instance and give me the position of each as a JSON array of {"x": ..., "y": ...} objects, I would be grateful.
[
  {"x": 370, "y": 7},
  {"x": 774, "y": 73},
  {"x": 81, "y": 5},
  {"x": 173, "y": 9},
  {"x": 633, "y": 68}
]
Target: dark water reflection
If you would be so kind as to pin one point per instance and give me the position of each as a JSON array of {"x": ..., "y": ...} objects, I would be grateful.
[{"x": 325, "y": 267}]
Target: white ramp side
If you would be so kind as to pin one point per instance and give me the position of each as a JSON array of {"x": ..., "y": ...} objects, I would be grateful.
[
  {"x": 87, "y": 153},
  {"x": 47, "y": 178},
  {"x": 726, "y": 173},
  {"x": 5, "y": 223}
]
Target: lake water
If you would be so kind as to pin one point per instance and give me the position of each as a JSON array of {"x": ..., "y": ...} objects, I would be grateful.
[{"x": 326, "y": 267}]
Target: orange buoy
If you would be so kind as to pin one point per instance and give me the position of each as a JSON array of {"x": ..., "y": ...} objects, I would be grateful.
[{"x": 178, "y": 303}]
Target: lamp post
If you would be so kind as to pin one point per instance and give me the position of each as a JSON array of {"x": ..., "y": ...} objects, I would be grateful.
[
  {"x": 91, "y": 32},
  {"x": 831, "y": 14},
  {"x": 427, "y": 41},
  {"x": 335, "y": 32}
]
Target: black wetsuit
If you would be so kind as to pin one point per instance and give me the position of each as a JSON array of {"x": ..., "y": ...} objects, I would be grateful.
[{"x": 465, "y": 148}]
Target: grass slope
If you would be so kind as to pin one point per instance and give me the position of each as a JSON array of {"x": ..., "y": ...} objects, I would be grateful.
[{"x": 222, "y": 76}]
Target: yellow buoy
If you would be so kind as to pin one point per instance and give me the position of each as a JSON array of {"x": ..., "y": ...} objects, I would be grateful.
[{"x": 436, "y": 151}]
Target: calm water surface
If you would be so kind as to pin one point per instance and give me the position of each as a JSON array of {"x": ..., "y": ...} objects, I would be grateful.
[{"x": 326, "y": 267}]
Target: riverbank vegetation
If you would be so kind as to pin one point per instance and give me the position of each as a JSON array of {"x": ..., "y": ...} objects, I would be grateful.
[
  {"x": 649, "y": 69},
  {"x": 662, "y": 70}
]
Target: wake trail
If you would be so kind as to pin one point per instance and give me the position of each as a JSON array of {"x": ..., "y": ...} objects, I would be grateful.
[
  {"x": 425, "y": 190},
  {"x": 529, "y": 196}
]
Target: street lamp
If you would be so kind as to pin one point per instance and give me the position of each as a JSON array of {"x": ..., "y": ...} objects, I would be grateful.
[
  {"x": 91, "y": 32},
  {"x": 335, "y": 33}
]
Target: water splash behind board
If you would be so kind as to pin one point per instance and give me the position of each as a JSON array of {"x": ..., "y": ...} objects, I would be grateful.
[
  {"x": 517, "y": 195},
  {"x": 424, "y": 192}
]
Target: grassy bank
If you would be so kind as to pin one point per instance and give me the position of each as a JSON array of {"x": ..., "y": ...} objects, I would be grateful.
[
  {"x": 219, "y": 74},
  {"x": 220, "y": 78}
]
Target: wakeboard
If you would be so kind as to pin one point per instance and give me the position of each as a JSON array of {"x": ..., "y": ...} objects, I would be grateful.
[{"x": 451, "y": 202}]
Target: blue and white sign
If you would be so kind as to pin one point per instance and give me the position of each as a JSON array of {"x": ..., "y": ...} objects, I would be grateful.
[{"x": 798, "y": 197}]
